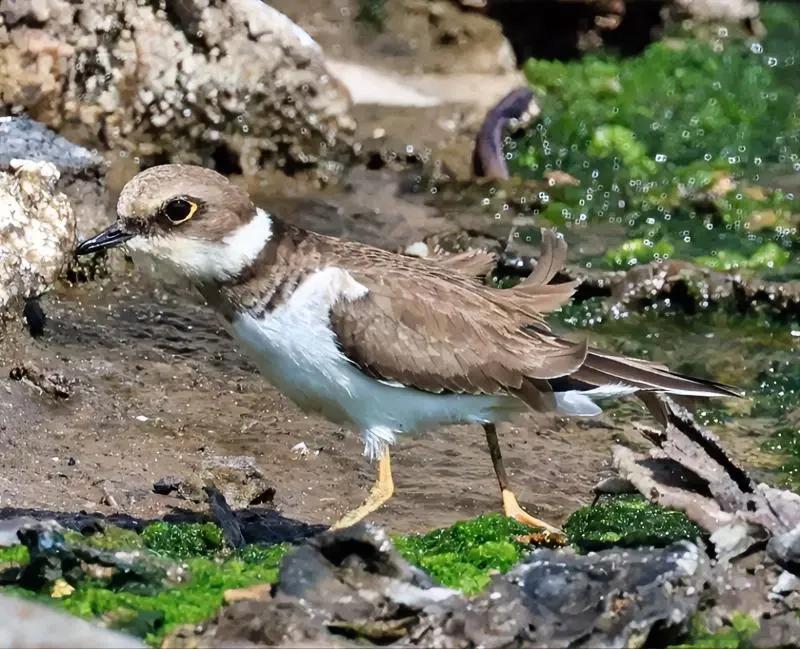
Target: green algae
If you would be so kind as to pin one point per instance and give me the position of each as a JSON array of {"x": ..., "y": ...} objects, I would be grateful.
[
  {"x": 675, "y": 149},
  {"x": 785, "y": 443},
  {"x": 372, "y": 13},
  {"x": 464, "y": 555},
  {"x": 111, "y": 538},
  {"x": 627, "y": 521},
  {"x": 638, "y": 251},
  {"x": 183, "y": 541},
  {"x": 735, "y": 634},
  {"x": 679, "y": 102},
  {"x": 197, "y": 599},
  {"x": 195, "y": 593},
  {"x": 13, "y": 556}
]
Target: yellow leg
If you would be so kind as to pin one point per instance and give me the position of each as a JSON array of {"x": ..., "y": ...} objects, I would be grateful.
[
  {"x": 381, "y": 491},
  {"x": 511, "y": 507}
]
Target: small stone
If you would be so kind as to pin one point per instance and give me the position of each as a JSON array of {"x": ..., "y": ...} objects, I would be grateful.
[
  {"x": 418, "y": 249},
  {"x": 167, "y": 485},
  {"x": 787, "y": 583},
  {"x": 259, "y": 592},
  {"x": 61, "y": 589},
  {"x": 300, "y": 450}
]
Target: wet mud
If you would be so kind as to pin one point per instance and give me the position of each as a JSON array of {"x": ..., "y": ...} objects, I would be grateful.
[{"x": 160, "y": 390}]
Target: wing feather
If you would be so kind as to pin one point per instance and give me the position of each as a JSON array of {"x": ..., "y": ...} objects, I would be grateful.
[
  {"x": 476, "y": 263},
  {"x": 437, "y": 335}
]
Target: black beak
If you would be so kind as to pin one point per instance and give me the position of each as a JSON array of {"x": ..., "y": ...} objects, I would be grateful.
[{"x": 108, "y": 238}]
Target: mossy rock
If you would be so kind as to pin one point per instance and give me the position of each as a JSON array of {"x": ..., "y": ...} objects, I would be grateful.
[
  {"x": 203, "y": 570},
  {"x": 627, "y": 521}
]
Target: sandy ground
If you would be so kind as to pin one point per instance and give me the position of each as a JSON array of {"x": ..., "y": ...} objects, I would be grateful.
[{"x": 159, "y": 389}]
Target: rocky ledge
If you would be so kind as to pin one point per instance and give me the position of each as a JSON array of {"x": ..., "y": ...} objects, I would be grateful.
[{"x": 232, "y": 85}]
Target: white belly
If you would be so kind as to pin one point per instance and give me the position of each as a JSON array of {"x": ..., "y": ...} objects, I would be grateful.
[{"x": 295, "y": 349}]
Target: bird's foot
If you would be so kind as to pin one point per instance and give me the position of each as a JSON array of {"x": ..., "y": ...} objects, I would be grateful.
[
  {"x": 381, "y": 491},
  {"x": 379, "y": 495},
  {"x": 512, "y": 509}
]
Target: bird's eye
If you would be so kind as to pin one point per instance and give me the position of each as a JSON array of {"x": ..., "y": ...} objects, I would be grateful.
[{"x": 179, "y": 210}]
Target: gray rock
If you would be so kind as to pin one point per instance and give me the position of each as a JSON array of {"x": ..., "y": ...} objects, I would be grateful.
[
  {"x": 37, "y": 233},
  {"x": 784, "y": 549},
  {"x": 23, "y": 138},
  {"x": 351, "y": 585},
  {"x": 81, "y": 176},
  {"x": 232, "y": 84},
  {"x": 9, "y": 528},
  {"x": 612, "y": 598},
  {"x": 778, "y": 631},
  {"x": 713, "y": 11},
  {"x": 25, "y": 624},
  {"x": 238, "y": 478}
]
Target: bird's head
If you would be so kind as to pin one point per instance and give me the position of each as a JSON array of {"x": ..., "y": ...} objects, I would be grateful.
[{"x": 190, "y": 218}]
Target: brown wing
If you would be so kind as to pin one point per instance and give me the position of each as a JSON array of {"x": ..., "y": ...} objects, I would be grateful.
[
  {"x": 476, "y": 263},
  {"x": 435, "y": 334}
]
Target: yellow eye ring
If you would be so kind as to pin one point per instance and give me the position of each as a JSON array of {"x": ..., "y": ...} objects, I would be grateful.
[{"x": 179, "y": 210}]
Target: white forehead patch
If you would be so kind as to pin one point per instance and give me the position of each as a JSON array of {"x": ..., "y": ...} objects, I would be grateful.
[{"x": 203, "y": 260}]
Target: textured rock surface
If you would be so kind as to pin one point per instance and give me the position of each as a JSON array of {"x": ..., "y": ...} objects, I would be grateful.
[
  {"x": 52, "y": 629},
  {"x": 405, "y": 36},
  {"x": 235, "y": 84},
  {"x": 81, "y": 171},
  {"x": 351, "y": 586},
  {"x": 37, "y": 233}
]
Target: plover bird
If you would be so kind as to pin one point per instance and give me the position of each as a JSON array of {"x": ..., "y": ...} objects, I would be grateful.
[{"x": 386, "y": 344}]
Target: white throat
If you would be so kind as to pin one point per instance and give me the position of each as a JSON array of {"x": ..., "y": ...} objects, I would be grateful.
[{"x": 210, "y": 260}]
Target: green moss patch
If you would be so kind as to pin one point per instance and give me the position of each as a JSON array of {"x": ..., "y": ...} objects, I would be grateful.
[
  {"x": 190, "y": 568},
  {"x": 12, "y": 556},
  {"x": 675, "y": 148},
  {"x": 736, "y": 634},
  {"x": 627, "y": 521},
  {"x": 183, "y": 541},
  {"x": 152, "y": 616},
  {"x": 464, "y": 556},
  {"x": 785, "y": 442}
]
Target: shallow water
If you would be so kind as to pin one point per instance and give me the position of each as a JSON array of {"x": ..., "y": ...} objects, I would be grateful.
[{"x": 756, "y": 355}]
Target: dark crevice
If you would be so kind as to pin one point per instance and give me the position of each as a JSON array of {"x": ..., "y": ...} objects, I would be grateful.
[
  {"x": 183, "y": 17},
  {"x": 552, "y": 29},
  {"x": 226, "y": 160},
  {"x": 714, "y": 451}
]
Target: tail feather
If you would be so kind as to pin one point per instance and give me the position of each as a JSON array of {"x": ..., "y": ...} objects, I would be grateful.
[
  {"x": 601, "y": 368},
  {"x": 601, "y": 374},
  {"x": 552, "y": 258}
]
